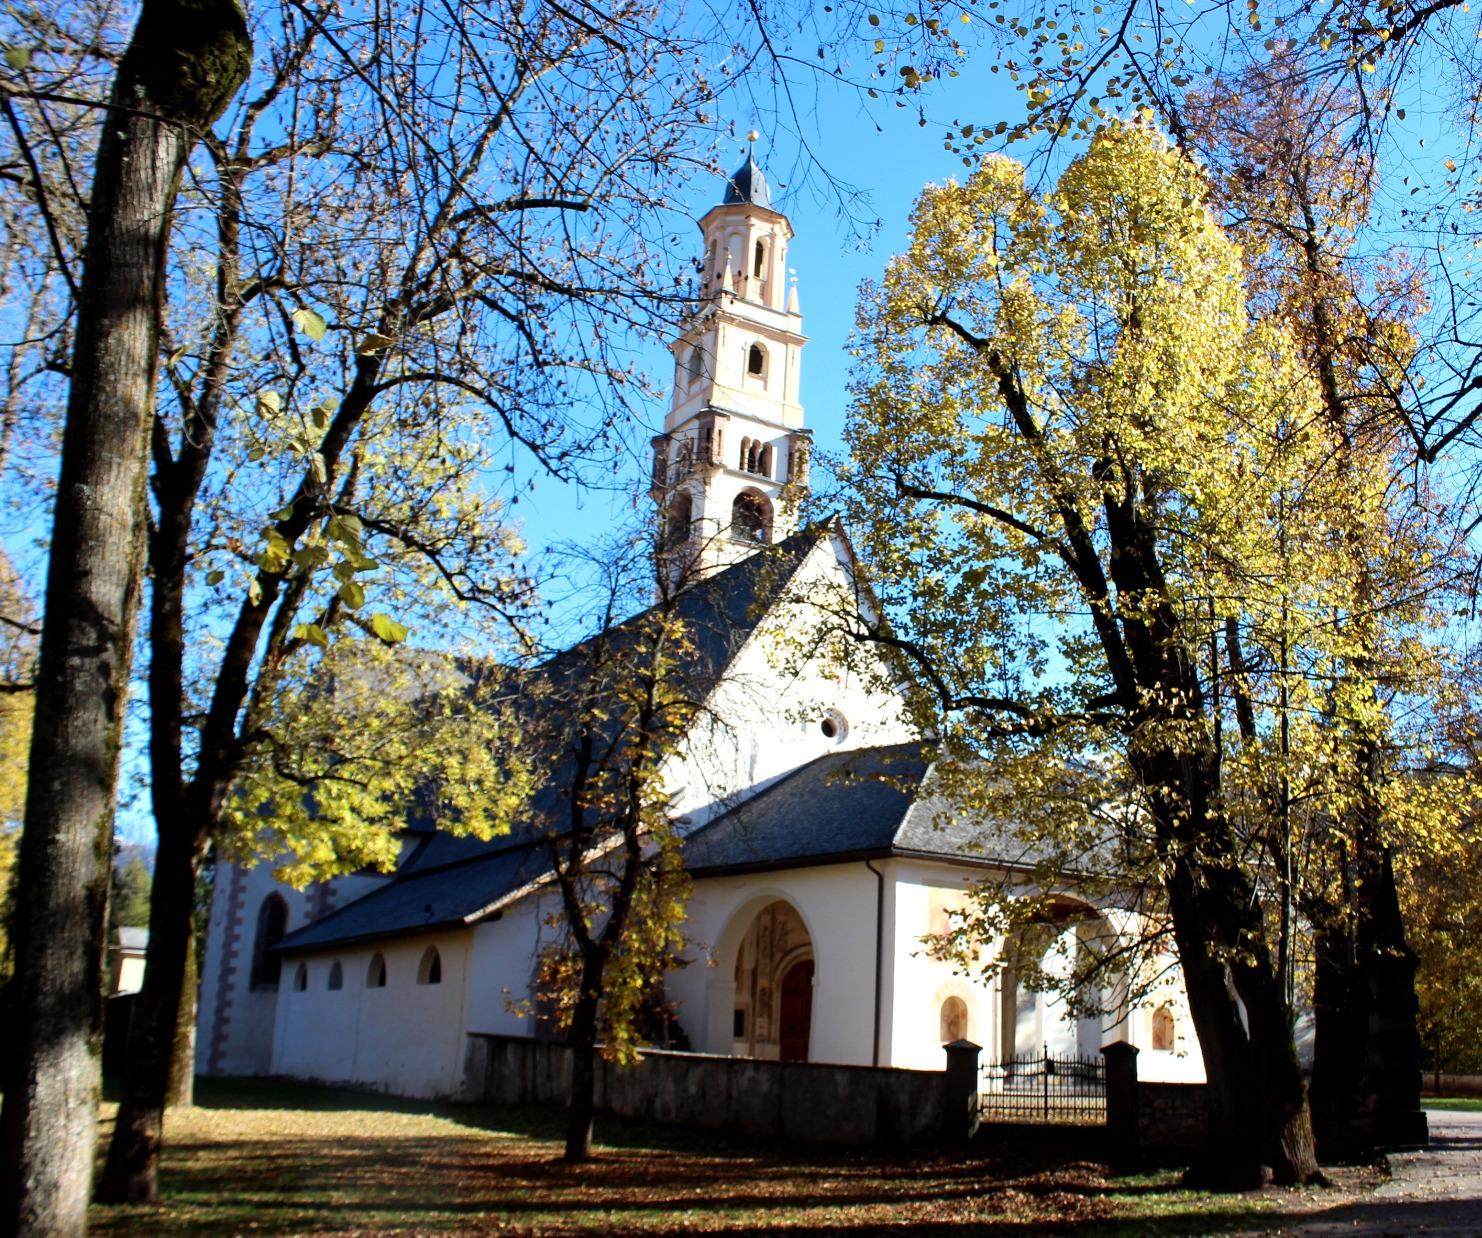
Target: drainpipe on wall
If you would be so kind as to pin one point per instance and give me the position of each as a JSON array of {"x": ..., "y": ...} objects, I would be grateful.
[{"x": 879, "y": 947}]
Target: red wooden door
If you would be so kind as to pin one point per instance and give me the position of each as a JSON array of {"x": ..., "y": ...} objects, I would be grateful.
[{"x": 797, "y": 1012}]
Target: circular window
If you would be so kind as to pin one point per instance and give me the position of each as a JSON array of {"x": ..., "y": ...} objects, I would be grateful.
[{"x": 833, "y": 726}]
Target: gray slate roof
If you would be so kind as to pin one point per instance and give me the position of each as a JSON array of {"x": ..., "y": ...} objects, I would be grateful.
[{"x": 861, "y": 804}]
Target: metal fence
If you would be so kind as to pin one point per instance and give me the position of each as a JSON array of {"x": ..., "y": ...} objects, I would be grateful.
[{"x": 1043, "y": 1088}]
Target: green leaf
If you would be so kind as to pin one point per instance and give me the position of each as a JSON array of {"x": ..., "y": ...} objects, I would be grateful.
[
  {"x": 310, "y": 323},
  {"x": 310, "y": 557},
  {"x": 375, "y": 342},
  {"x": 312, "y": 633},
  {"x": 283, "y": 513},
  {"x": 215, "y": 577},
  {"x": 388, "y": 629},
  {"x": 316, "y": 464},
  {"x": 18, "y": 58},
  {"x": 352, "y": 594}
]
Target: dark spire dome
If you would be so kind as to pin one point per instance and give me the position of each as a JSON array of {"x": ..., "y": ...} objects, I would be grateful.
[{"x": 748, "y": 184}]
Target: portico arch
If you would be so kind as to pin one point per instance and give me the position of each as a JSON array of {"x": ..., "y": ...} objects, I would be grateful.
[
  {"x": 1037, "y": 1012},
  {"x": 767, "y": 955}
]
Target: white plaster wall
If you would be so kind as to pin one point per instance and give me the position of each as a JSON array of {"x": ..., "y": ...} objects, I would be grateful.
[
  {"x": 837, "y": 905},
  {"x": 234, "y": 1022},
  {"x": 406, "y": 1038},
  {"x": 764, "y": 720},
  {"x": 1184, "y": 1063},
  {"x": 505, "y": 953},
  {"x": 920, "y": 983}
]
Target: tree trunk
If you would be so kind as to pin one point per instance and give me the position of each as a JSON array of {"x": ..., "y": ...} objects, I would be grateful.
[
  {"x": 1366, "y": 1066},
  {"x": 132, "y": 1169},
  {"x": 581, "y": 1102},
  {"x": 183, "y": 64},
  {"x": 181, "y": 1089},
  {"x": 1260, "y": 1127}
]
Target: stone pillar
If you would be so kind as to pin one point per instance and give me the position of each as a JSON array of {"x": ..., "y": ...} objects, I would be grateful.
[
  {"x": 1121, "y": 1100},
  {"x": 960, "y": 1114}
]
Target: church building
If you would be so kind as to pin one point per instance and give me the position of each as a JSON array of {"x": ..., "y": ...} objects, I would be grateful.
[{"x": 822, "y": 858}]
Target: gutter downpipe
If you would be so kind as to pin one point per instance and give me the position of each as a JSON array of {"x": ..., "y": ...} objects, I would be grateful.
[{"x": 879, "y": 947}]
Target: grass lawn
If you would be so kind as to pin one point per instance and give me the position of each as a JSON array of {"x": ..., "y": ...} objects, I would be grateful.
[
  {"x": 282, "y": 1159},
  {"x": 1457, "y": 1104}
]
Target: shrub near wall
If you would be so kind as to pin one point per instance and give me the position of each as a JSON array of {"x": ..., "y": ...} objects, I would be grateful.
[{"x": 805, "y": 1102}]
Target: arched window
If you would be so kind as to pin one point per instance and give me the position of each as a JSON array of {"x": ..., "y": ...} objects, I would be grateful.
[
  {"x": 953, "y": 1021},
  {"x": 759, "y": 258},
  {"x": 696, "y": 363},
  {"x": 751, "y": 517},
  {"x": 272, "y": 923},
  {"x": 336, "y": 976},
  {"x": 677, "y": 521},
  {"x": 1163, "y": 1029},
  {"x": 375, "y": 976},
  {"x": 745, "y": 454},
  {"x": 753, "y": 457},
  {"x": 430, "y": 969},
  {"x": 301, "y": 979},
  {"x": 756, "y": 361},
  {"x": 765, "y": 465}
]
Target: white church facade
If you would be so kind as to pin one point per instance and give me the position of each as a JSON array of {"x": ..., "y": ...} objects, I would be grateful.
[{"x": 822, "y": 861}]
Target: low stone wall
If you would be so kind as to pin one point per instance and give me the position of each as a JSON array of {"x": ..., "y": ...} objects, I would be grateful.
[
  {"x": 1172, "y": 1120},
  {"x": 1152, "y": 1123},
  {"x": 1450, "y": 1085},
  {"x": 797, "y": 1101}
]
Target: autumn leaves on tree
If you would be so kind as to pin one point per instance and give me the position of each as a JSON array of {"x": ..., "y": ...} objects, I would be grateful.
[{"x": 1077, "y": 442}]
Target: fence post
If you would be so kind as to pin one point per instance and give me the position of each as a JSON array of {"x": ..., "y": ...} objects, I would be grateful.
[
  {"x": 1121, "y": 1099},
  {"x": 960, "y": 1115}
]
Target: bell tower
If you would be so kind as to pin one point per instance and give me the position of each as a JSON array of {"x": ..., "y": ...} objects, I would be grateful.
[{"x": 732, "y": 462}]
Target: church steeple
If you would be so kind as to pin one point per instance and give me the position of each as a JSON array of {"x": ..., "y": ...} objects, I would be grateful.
[{"x": 733, "y": 459}]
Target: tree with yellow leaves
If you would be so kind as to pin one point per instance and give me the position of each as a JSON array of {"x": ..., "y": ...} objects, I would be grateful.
[{"x": 1073, "y": 442}]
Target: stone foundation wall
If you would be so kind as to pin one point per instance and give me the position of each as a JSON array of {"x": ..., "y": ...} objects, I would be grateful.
[
  {"x": 1172, "y": 1119},
  {"x": 797, "y": 1101}
]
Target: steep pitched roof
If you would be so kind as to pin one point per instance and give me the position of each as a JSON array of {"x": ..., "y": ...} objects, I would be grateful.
[
  {"x": 869, "y": 803},
  {"x": 451, "y": 880}
]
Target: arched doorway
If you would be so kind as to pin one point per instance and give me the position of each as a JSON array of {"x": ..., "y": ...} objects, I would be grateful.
[
  {"x": 772, "y": 1015},
  {"x": 795, "y": 1018}
]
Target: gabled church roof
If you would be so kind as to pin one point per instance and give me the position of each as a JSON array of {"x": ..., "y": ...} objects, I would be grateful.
[{"x": 449, "y": 879}]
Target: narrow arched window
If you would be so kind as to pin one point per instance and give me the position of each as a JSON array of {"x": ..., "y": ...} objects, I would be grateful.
[
  {"x": 375, "y": 976},
  {"x": 301, "y": 979},
  {"x": 751, "y": 517},
  {"x": 677, "y": 521},
  {"x": 745, "y": 454},
  {"x": 336, "y": 976},
  {"x": 953, "y": 1021},
  {"x": 272, "y": 923},
  {"x": 430, "y": 969},
  {"x": 756, "y": 360},
  {"x": 759, "y": 258},
  {"x": 754, "y": 457},
  {"x": 764, "y": 467},
  {"x": 1163, "y": 1029}
]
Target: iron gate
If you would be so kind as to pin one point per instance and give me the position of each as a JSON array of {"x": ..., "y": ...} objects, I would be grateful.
[{"x": 1043, "y": 1088}]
